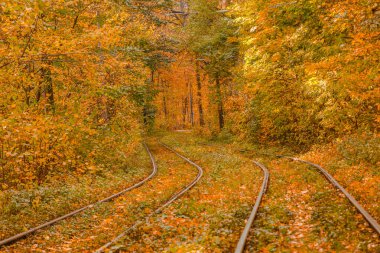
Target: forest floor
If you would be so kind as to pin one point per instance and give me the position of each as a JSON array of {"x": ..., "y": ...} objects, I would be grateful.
[{"x": 301, "y": 211}]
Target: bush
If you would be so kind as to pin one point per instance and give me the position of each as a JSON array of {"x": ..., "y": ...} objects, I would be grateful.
[{"x": 359, "y": 148}]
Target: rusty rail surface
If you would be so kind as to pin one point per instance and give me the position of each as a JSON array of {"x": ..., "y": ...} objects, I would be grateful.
[
  {"x": 19, "y": 236},
  {"x": 158, "y": 210},
  {"x": 243, "y": 238},
  {"x": 371, "y": 221}
]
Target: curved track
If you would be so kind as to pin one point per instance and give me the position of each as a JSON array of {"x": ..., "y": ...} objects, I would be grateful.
[
  {"x": 19, "y": 236},
  {"x": 243, "y": 238},
  {"x": 242, "y": 241},
  {"x": 167, "y": 203},
  {"x": 371, "y": 221}
]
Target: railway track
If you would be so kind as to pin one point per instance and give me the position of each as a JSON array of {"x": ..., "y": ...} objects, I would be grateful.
[
  {"x": 161, "y": 207},
  {"x": 243, "y": 238},
  {"x": 370, "y": 220},
  {"x": 244, "y": 235},
  {"x": 19, "y": 236},
  {"x": 242, "y": 241}
]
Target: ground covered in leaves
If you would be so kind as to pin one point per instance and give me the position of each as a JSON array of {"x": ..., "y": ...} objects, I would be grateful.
[
  {"x": 23, "y": 209},
  {"x": 301, "y": 212}
]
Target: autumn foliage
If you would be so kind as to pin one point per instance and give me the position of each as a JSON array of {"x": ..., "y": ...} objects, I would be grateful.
[
  {"x": 79, "y": 77},
  {"x": 73, "y": 82},
  {"x": 311, "y": 69},
  {"x": 303, "y": 72},
  {"x": 83, "y": 83}
]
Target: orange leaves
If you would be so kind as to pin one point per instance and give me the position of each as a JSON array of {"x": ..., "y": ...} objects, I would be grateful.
[
  {"x": 332, "y": 42},
  {"x": 359, "y": 39},
  {"x": 62, "y": 98},
  {"x": 106, "y": 222}
]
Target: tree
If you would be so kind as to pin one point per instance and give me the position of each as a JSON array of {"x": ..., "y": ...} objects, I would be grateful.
[
  {"x": 309, "y": 69},
  {"x": 71, "y": 75},
  {"x": 208, "y": 34}
]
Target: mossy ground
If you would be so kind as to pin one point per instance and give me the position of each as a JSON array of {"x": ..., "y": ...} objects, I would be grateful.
[{"x": 301, "y": 211}]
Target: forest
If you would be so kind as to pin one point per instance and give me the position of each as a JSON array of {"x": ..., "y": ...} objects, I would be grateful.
[{"x": 96, "y": 93}]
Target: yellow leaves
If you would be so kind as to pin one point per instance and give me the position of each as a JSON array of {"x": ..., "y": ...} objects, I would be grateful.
[
  {"x": 36, "y": 201},
  {"x": 107, "y": 221},
  {"x": 378, "y": 118},
  {"x": 232, "y": 39},
  {"x": 276, "y": 57},
  {"x": 323, "y": 66},
  {"x": 265, "y": 250},
  {"x": 146, "y": 228},
  {"x": 92, "y": 169},
  {"x": 359, "y": 39}
]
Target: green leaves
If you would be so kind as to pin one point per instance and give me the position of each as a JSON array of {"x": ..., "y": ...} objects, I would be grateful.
[{"x": 303, "y": 71}]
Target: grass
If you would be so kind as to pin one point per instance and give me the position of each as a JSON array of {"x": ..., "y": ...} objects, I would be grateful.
[
  {"x": 94, "y": 227},
  {"x": 301, "y": 211},
  {"x": 211, "y": 216},
  {"x": 23, "y": 209},
  {"x": 362, "y": 180}
]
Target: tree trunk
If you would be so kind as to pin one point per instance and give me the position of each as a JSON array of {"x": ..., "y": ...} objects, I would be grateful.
[
  {"x": 48, "y": 90},
  {"x": 146, "y": 103},
  {"x": 199, "y": 94},
  {"x": 191, "y": 103},
  {"x": 184, "y": 111},
  {"x": 164, "y": 99},
  {"x": 220, "y": 103},
  {"x": 165, "y": 108},
  {"x": 152, "y": 76}
]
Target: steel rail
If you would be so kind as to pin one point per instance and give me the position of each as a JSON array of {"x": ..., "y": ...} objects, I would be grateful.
[
  {"x": 243, "y": 238},
  {"x": 167, "y": 203},
  {"x": 371, "y": 221},
  {"x": 51, "y": 222}
]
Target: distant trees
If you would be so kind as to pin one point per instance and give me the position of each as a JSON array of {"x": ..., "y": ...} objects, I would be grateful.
[
  {"x": 293, "y": 72},
  {"x": 208, "y": 33},
  {"x": 80, "y": 77},
  {"x": 205, "y": 33}
]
